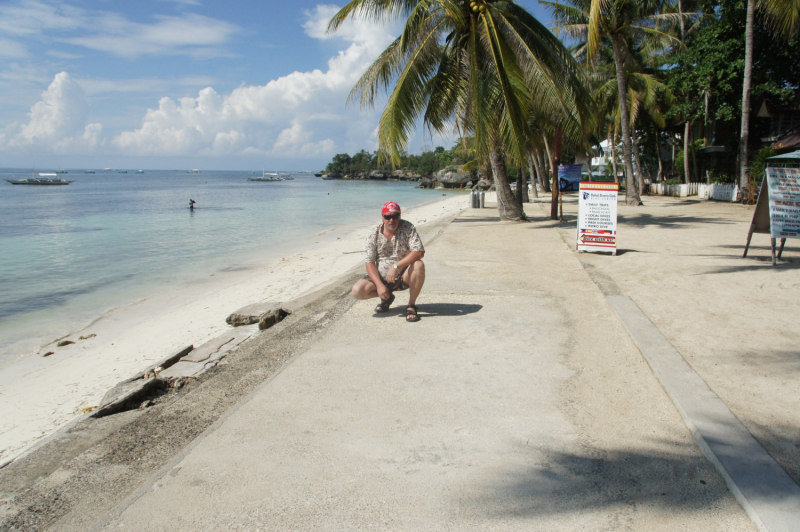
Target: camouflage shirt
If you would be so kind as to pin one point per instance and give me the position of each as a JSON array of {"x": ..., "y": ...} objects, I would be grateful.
[{"x": 384, "y": 253}]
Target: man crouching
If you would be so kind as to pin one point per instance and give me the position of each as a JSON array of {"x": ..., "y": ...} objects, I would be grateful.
[{"x": 393, "y": 255}]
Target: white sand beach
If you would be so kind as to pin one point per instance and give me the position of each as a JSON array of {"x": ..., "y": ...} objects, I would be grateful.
[{"x": 40, "y": 394}]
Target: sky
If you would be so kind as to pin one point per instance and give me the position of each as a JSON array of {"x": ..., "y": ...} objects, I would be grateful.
[{"x": 161, "y": 84}]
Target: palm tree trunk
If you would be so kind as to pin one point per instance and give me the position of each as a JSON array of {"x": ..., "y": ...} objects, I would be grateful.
[
  {"x": 637, "y": 158},
  {"x": 518, "y": 192},
  {"x": 613, "y": 140},
  {"x": 552, "y": 170},
  {"x": 687, "y": 177},
  {"x": 744, "y": 178},
  {"x": 589, "y": 164},
  {"x": 695, "y": 171},
  {"x": 556, "y": 162},
  {"x": 631, "y": 192},
  {"x": 524, "y": 179},
  {"x": 533, "y": 173},
  {"x": 660, "y": 174},
  {"x": 507, "y": 205},
  {"x": 544, "y": 174}
]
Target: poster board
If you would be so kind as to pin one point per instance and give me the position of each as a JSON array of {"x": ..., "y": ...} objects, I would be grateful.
[
  {"x": 778, "y": 208},
  {"x": 569, "y": 176},
  {"x": 597, "y": 217},
  {"x": 784, "y": 202}
]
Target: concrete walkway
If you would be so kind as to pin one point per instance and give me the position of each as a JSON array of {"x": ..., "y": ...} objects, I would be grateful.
[{"x": 519, "y": 402}]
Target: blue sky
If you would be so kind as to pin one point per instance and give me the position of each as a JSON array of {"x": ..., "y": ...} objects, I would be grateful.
[{"x": 184, "y": 83}]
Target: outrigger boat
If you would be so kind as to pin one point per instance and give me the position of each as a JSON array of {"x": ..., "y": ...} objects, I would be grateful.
[
  {"x": 266, "y": 177},
  {"x": 43, "y": 179}
]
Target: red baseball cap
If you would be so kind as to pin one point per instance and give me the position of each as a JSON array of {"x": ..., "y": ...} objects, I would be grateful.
[{"x": 390, "y": 207}]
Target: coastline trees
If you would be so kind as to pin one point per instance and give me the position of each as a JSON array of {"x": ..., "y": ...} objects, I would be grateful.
[
  {"x": 622, "y": 26},
  {"x": 477, "y": 66},
  {"x": 784, "y": 17}
]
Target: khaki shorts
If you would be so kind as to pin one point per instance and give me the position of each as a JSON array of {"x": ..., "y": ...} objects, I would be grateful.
[{"x": 397, "y": 286}]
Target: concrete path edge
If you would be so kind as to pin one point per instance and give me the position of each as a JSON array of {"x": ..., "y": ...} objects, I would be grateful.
[
  {"x": 430, "y": 233},
  {"x": 768, "y": 495}
]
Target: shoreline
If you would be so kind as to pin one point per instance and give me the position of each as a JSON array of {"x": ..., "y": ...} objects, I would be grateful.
[{"x": 42, "y": 394}]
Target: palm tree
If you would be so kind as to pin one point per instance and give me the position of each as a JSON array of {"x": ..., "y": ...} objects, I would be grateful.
[
  {"x": 646, "y": 93},
  {"x": 784, "y": 17},
  {"x": 478, "y": 66},
  {"x": 623, "y": 25}
]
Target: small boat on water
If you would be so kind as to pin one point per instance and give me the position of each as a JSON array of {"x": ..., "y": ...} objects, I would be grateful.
[
  {"x": 88, "y": 171},
  {"x": 193, "y": 171},
  {"x": 139, "y": 171},
  {"x": 317, "y": 175},
  {"x": 328, "y": 178},
  {"x": 265, "y": 177},
  {"x": 106, "y": 169},
  {"x": 61, "y": 171},
  {"x": 122, "y": 171},
  {"x": 42, "y": 179}
]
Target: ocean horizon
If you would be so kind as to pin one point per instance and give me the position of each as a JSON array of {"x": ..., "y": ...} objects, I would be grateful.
[{"x": 71, "y": 253}]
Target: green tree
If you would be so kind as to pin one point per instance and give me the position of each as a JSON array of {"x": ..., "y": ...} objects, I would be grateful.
[
  {"x": 339, "y": 165},
  {"x": 479, "y": 64},
  {"x": 784, "y": 17},
  {"x": 624, "y": 24}
]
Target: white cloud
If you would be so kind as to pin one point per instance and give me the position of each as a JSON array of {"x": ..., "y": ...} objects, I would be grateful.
[
  {"x": 296, "y": 141},
  {"x": 9, "y": 48},
  {"x": 57, "y": 122},
  {"x": 187, "y": 33},
  {"x": 276, "y": 119},
  {"x": 94, "y": 86},
  {"x": 300, "y": 115},
  {"x": 33, "y": 18}
]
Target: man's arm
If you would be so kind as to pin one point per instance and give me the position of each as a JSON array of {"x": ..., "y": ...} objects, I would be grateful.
[
  {"x": 405, "y": 262},
  {"x": 410, "y": 259},
  {"x": 372, "y": 271}
]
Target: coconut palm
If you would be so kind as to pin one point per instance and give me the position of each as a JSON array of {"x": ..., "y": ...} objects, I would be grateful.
[
  {"x": 784, "y": 17},
  {"x": 478, "y": 66},
  {"x": 624, "y": 25},
  {"x": 646, "y": 93}
]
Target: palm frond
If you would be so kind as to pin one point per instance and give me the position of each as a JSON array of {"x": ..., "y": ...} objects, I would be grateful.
[{"x": 783, "y": 16}]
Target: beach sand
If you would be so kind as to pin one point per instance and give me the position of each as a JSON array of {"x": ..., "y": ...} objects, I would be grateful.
[{"x": 38, "y": 395}]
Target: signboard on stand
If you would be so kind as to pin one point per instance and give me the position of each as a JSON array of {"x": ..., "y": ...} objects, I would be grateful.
[
  {"x": 569, "y": 176},
  {"x": 778, "y": 208},
  {"x": 597, "y": 217}
]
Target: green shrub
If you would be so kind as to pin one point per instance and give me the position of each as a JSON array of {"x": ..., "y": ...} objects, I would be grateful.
[
  {"x": 679, "y": 164},
  {"x": 722, "y": 178},
  {"x": 671, "y": 182},
  {"x": 758, "y": 163}
]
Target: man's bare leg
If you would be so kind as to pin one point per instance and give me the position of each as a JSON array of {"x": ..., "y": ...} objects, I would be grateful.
[
  {"x": 364, "y": 289},
  {"x": 414, "y": 278}
]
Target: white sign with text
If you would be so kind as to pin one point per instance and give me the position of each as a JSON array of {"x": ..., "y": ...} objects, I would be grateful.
[{"x": 597, "y": 217}]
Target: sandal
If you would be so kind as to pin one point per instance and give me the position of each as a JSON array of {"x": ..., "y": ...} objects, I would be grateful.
[
  {"x": 411, "y": 313},
  {"x": 384, "y": 304}
]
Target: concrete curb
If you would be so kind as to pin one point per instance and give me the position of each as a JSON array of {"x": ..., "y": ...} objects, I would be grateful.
[
  {"x": 768, "y": 495},
  {"x": 764, "y": 490}
]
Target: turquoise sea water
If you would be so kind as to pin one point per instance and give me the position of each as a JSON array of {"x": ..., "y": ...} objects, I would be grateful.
[{"x": 67, "y": 253}]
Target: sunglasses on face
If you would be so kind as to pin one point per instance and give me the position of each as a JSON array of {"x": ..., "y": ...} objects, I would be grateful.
[{"x": 391, "y": 216}]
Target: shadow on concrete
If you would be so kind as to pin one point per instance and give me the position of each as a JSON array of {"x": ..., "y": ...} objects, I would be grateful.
[
  {"x": 781, "y": 441},
  {"x": 671, "y": 222},
  {"x": 624, "y": 251},
  {"x": 565, "y": 484},
  {"x": 677, "y": 202},
  {"x": 483, "y": 219},
  {"x": 433, "y": 310},
  {"x": 755, "y": 264},
  {"x": 788, "y": 248}
]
